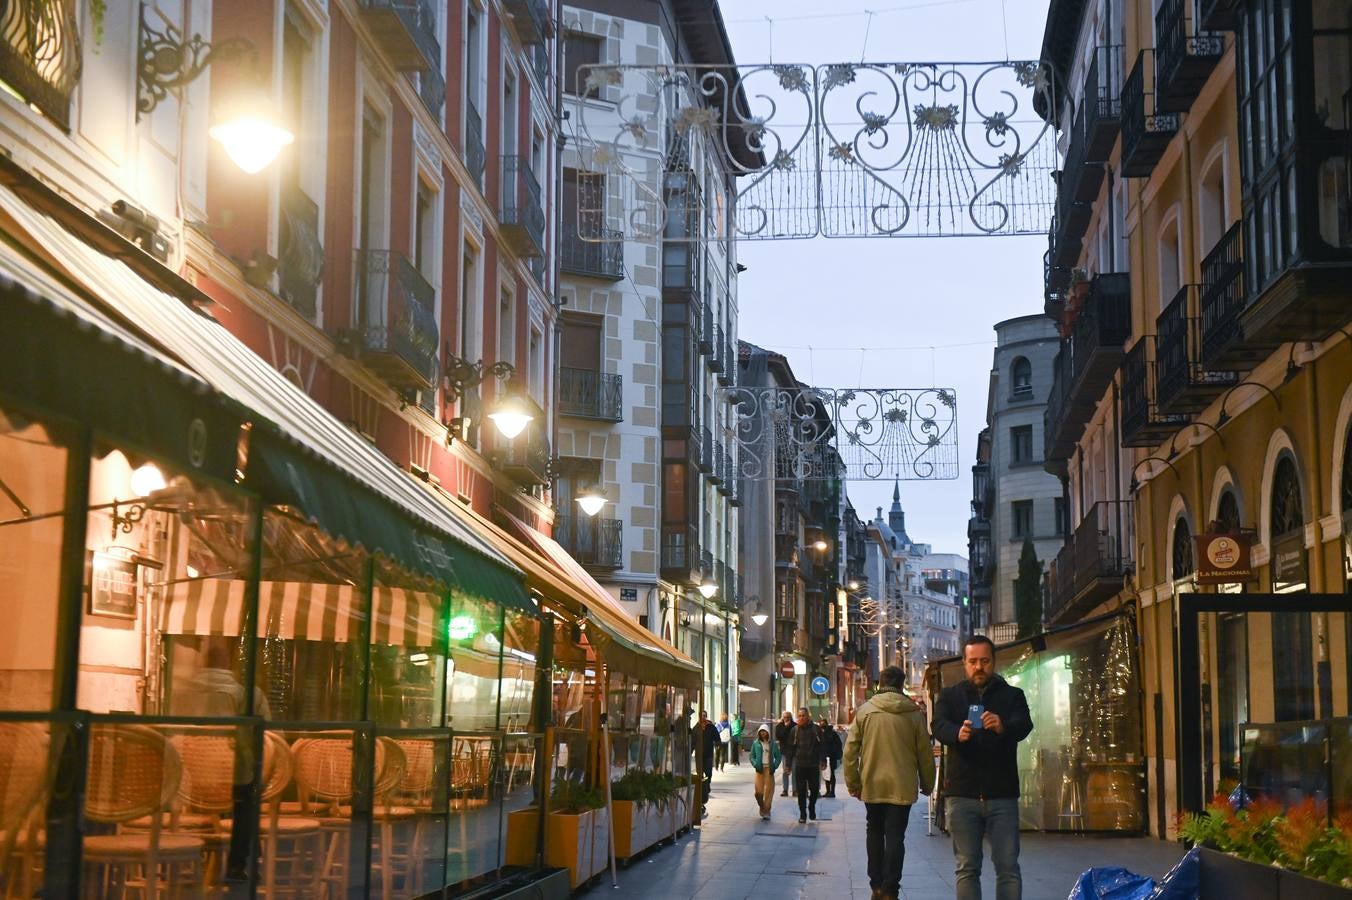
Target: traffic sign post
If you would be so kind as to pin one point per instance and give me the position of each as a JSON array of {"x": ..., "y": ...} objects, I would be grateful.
[
  {"x": 821, "y": 685},
  {"x": 786, "y": 669}
]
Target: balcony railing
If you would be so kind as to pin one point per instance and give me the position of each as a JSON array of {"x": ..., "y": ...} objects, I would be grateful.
[
  {"x": 1098, "y": 334},
  {"x": 1184, "y": 385},
  {"x": 396, "y": 322},
  {"x": 983, "y": 490},
  {"x": 705, "y": 460},
  {"x": 40, "y": 54},
  {"x": 530, "y": 19},
  {"x": 1185, "y": 57},
  {"x": 1143, "y": 425},
  {"x": 1222, "y": 298},
  {"x": 680, "y": 553},
  {"x": 593, "y": 259},
  {"x": 405, "y": 31},
  {"x": 1093, "y": 564},
  {"x": 1103, "y": 102},
  {"x": 526, "y": 457},
  {"x": 300, "y": 257},
  {"x": 728, "y": 376},
  {"x": 706, "y": 328},
  {"x": 474, "y": 145},
  {"x": 1146, "y": 129},
  {"x": 522, "y": 215},
  {"x": 595, "y": 542},
  {"x": 589, "y": 394},
  {"x": 716, "y": 467},
  {"x": 432, "y": 91},
  {"x": 1220, "y": 15},
  {"x": 716, "y": 360}
]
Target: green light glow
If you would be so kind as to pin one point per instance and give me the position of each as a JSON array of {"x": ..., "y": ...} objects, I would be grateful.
[{"x": 462, "y": 628}]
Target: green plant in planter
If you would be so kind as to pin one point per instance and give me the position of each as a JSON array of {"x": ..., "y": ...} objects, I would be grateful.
[
  {"x": 573, "y": 797},
  {"x": 1298, "y": 839},
  {"x": 644, "y": 788}
]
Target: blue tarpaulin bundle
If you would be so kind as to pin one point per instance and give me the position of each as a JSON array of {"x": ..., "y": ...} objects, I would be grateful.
[{"x": 1113, "y": 883}]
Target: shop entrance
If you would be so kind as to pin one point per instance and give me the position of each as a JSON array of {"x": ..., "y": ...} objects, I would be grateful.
[{"x": 1253, "y": 740}]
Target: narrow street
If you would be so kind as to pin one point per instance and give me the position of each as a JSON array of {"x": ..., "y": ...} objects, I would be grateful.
[{"x": 736, "y": 855}]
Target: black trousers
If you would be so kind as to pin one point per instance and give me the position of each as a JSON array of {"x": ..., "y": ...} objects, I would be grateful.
[
  {"x": 885, "y": 841},
  {"x": 831, "y": 776},
  {"x": 807, "y": 781}
]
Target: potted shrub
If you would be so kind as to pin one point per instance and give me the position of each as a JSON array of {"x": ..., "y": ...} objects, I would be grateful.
[
  {"x": 644, "y": 805},
  {"x": 575, "y": 832},
  {"x": 1264, "y": 851}
]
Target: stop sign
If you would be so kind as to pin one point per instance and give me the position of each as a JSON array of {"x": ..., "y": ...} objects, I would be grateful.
[{"x": 786, "y": 669}]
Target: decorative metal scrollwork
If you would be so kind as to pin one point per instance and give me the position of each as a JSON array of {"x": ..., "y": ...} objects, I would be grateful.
[
  {"x": 840, "y": 150},
  {"x": 856, "y": 434}
]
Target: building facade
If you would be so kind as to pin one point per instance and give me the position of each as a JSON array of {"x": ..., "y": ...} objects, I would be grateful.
[
  {"x": 1025, "y": 503},
  {"x": 1198, "y": 272},
  {"x": 647, "y": 335}
]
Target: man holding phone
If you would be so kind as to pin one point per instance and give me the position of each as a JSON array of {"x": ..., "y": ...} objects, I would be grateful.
[{"x": 981, "y": 720}]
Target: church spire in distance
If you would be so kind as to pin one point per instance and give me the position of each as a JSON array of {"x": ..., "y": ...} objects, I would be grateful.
[{"x": 896, "y": 518}]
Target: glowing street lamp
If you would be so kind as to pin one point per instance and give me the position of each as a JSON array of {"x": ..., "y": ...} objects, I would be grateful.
[
  {"x": 591, "y": 500},
  {"x": 708, "y": 588},
  {"x": 511, "y": 415}
]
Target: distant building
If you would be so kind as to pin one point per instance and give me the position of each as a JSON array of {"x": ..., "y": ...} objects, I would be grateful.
[{"x": 1013, "y": 497}]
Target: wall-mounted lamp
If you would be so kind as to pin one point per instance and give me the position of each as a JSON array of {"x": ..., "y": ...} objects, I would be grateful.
[
  {"x": 1133, "y": 485},
  {"x": 249, "y": 132},
  {"x": 820, "y": 545},
  {"x": 592, "y": 500},
  {"x": 459, "y": 376},
  {"x": 1225, "y": 416},
  {"x": 708, "y": 588}
]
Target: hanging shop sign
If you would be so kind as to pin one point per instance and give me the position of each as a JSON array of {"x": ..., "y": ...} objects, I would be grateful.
[
  {"x": 1289, "y": 562},
  {"x": 1223, "y": 559}
]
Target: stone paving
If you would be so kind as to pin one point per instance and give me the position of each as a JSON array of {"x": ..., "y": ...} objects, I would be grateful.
[{"x": 735, "y": 855}]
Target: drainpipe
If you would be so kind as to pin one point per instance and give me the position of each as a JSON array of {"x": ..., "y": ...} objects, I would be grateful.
[{"x": 1324, "y": 683}]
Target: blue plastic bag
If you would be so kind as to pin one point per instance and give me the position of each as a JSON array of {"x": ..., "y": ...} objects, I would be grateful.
[
  {"x": 1183, "y": 881},
  {"x": 1112, "y": 883}
]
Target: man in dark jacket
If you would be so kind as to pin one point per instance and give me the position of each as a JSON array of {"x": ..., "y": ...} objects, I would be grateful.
[
  {"x": 834, "y": 748},
  {"x": 703, "y": 739},
  {"x": 981, "y": 721},
  {"x": 807, "y": 758},
  {"x": 783, "y": 731}
]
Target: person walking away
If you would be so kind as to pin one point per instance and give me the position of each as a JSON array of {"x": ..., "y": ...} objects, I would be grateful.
[
  {"x": 981, "y": 720},
  {"x": 704, "y": 738},
  {"x": 888, "y": 762},
  {"x": 807, "y": 756},
  {"x": 783, "y": 731},
  {"x": 724, "y": 729},
  {"x": 833, "y": 751},
  {"x": 738, "y": 726},
  {"x": 765, "y": 758}
]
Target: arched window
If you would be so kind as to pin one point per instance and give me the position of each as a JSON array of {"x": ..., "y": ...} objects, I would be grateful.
[
  {"x": 1170, "y": 257},
  {"x": 1347, "y": 473},
  {"x": 1021, "y": 374},
  {"x": 1182, "y": 551},
  {"x": 1227, "y": 514},
  {"x": 1288, "y": 513},
  {"x": 1212, "y": 202}
]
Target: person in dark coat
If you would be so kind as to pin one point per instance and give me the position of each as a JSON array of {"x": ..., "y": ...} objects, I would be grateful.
[
  {"x": 703, "y": 740},
  {"x": 807, "y": 758},
  {"x": 783, "y": 731},
  {"x": 981, "y": 721},
  {"x": 834, "y": 748}
]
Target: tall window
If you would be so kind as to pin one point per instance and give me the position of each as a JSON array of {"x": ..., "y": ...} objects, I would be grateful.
[
  {"x": 507, "y": 327},
  {"x": 1021, "y": 375},
  {"x": 1021, "y": 444},
  {"x": 1170, "y": 259},
  {"x": 536, "y": 361},
  {"x": 580, "y": 49},
  {"x": 1062, "y": 520},
  {"x": 1293, "y": 681},
  {"x": 1181, "y": 567},
  {"x": 1022, "y": 513}
]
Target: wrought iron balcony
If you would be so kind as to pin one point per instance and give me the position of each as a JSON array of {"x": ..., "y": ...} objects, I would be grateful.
[
  {"x": 1079, "y": 181},
  {"x": 706, "y": 450},
  {"x": 1143, "y": 425},
  {"x": 300, "y": 256},
  {"x": 1096, "y": 339},
  {"x": 983, "y": 490},
  {"x": 1222, "y": 299},
  {"x": 522, "y": 215},
  {"x": 530, "y": 20},
  {"x": 1146, "y": 129},
  {"x": 589, "y": 394},
  {"x": 706, "y": 328},
  {"x": 1094, "y": 563},
  {"x": 474, "y": 145},
  {"x": 716, "y": 466},
  {"x": 526, "y": 456},
  {"x": 597, "y": 543},
  {"x": 405, "y": 31},
  {"x": 680, "y": 553},
  {"x": 1184, "y": 385},
  {"x": 1064, "y": 242},
  {"x": 1184, "y": 56},
  {"x": 1220, "y": 15},
  {"x": 40, "y": 54},
  {"x": 716, "y": 358},
  {"x": 1102, "y": 102},
  {"x": 593, "y": 259},
  {"x": 396, "y": 323},
  {"x": 432, "y": 91},
  {"x": 727, "y": 376}
]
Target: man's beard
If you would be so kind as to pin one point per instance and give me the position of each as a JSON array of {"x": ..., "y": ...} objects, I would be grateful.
[{"x": 979, "y": 678}]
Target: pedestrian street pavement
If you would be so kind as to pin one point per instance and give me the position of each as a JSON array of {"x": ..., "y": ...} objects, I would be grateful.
[{"x": 735, "y": 855}]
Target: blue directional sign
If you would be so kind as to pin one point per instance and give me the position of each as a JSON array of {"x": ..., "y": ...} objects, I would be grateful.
[{"x": 820, "y": 685}]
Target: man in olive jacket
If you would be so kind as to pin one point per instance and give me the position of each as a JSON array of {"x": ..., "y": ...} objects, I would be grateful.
[{"x": 888, "y": 762}]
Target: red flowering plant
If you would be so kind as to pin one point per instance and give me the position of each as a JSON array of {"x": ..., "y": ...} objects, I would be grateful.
[{"x": 1299, "y": 839}]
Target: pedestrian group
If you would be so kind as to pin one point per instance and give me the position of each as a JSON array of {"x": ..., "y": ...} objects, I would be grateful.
[{"x": 889, "y": 760}]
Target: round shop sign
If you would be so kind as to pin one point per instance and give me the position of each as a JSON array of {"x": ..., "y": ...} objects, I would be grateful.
[
  {"x": 820, "y": 685},
  {"x": 786, "y": 669}
]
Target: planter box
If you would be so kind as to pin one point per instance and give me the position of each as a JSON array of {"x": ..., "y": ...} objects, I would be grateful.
[
  {"x": 1226, "y": 877},
  {"x": 639, "y": 827},
  {"x": 573, "y": 842}
]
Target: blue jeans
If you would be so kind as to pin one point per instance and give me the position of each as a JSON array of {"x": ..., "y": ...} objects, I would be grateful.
[{"x": 998, "y": 822}]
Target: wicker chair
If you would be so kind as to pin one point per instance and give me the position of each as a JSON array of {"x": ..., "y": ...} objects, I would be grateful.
[
  {"x": 23, "y": 787},
  {"x": 135, "y": 772},
  {"x": 293, "y": 846},
  {"x": 324, "y": 782}
]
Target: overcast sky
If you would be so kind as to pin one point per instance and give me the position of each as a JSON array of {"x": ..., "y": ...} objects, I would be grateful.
[{"x": 818, "y": 302}]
